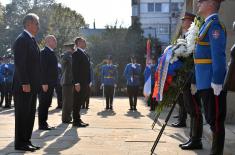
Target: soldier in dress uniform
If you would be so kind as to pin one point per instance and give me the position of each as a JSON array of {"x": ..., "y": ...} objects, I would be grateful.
[
  {"x": 8, "y": 71},
  {"x": 132, "y": 74},
  {"x": 1, "y": 84},
  {"x": 109, "y": 81},
  {"x": 187, "y": 20},
  {"x": 210, "y": 70}
]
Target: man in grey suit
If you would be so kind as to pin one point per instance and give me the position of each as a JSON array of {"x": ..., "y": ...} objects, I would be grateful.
[{"x": 67, "y": 83}]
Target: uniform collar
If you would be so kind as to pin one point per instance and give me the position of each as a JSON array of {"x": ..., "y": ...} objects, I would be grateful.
[
  {"x": 210, "y": 16},
  {"x": 31, "y": 36}
]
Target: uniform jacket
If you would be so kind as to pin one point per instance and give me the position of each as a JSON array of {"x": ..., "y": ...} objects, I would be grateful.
[
  {"x": 230, "y": 77},
  {"x": 81, "y": 68},
  {"x": 27, "y": 63},
  {"x": 49, "y": 67},
  {"x": 209, "y": 56},
  {"x": 7, "y": 72},
  {"x": 109, "y": 74},
  {"x": 1, "y": 74},
  {"x": 67, "y": 77},
  {"x": 132, "y": 75}
]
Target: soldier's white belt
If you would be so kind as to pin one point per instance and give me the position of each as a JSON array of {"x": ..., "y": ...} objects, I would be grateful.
[
  {"x": 108, "y": 77},
  {"x": 202, "y": 61}
]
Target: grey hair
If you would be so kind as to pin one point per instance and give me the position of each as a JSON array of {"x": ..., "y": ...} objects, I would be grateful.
[{"x": 30, "y": 18}]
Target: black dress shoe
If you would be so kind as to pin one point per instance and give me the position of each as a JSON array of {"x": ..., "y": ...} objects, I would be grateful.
[
  {"x": 193, "y": 145},
  {"x": 176, "y": 116},
  {"x": 179, "y": 124},
  {"x": 34, "y": 146},
  {"x": 180, "y": 145},
  {"x": 46, "y": 128},
  {"x": 80, "y": 125},
  {"x": 25, "y": 148}
]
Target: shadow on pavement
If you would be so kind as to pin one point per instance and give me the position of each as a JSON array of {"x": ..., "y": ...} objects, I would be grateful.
[
  {"x": 54, "y": 111},
  {"x": 134, "y": 114},
  {"x": 64, "y": 142},
  {"x": 5, "y": 111},
  {"x": 106, "y": 113}
]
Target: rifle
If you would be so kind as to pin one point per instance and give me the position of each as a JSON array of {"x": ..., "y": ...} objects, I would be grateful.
[{"x": 169, "y": 114}]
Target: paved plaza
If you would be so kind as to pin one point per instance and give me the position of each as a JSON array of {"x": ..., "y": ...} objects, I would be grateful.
[{"x": 118, "y": 132}]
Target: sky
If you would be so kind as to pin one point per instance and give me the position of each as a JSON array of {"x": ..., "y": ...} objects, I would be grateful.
[{"x": 104, "y": 12}]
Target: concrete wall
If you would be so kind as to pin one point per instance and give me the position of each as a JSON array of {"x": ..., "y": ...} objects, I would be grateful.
[{"x": 227, "y": 16}]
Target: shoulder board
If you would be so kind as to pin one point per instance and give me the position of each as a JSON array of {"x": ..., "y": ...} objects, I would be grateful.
[{"x": 202, "y": 36}]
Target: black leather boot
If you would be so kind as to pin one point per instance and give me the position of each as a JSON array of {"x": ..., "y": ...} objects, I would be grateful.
[
  {"x": 190, "y": 133},
  {"x": 217, "y": 144},
  {"x": 196, "y": 142}
]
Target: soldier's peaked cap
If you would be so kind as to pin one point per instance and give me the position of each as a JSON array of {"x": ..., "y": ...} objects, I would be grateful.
[{"x": 188, "y": 15}]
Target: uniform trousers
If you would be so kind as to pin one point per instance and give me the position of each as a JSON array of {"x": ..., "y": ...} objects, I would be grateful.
[
  {"x": 132, "y": 94},
  {"x": 67, "y": 106},
  {"x": 108, "y": 92}
]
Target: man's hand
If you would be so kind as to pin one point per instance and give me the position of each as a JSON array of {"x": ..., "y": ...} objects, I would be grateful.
[
  {"x": 26, "y": 88},
  {"x": 77, "y": 87},
  {"x": 193, "y": 89},
  {"x": 217, "y": 88},
  {"x": 45, "y": 88}
]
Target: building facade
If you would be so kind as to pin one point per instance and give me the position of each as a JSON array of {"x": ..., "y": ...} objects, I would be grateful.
[{"x": 157, "y": 17}]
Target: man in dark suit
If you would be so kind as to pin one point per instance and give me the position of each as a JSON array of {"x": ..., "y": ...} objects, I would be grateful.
[
  {"x": 26, "y": 82},
  {"x": 49, "y": 70},
  {"x": 81, "y": 78}
]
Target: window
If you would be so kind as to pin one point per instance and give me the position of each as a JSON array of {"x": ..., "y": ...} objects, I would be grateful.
[
  {"x": 150, "y": 7},
  {"x": 174, "y": 6},
  {"x": 158, "y": 7},
  {"x": 164, "y": 28},
  {"x": 165, "y": 7}
]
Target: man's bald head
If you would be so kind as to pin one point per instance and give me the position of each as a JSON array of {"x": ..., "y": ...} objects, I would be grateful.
[{"x": 51, "y": 41}]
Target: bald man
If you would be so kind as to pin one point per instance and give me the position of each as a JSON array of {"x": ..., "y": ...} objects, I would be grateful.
[{"x": 49, "y": 80}]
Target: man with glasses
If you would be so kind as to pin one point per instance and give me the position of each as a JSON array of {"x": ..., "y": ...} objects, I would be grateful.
[{"x": 210, "y": 70}]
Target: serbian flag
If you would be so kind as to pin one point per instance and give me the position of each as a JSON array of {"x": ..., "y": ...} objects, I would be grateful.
[
  {"x": 165, "y": 73},
  {"x": 161, "y": 74},
  {"x": 147, "y": 71},
  {"x": 147, "y": 81}
]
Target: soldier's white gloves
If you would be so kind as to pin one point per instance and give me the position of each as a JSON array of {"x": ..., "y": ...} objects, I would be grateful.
[
  {"x": 217, "y": 88},
  {"x": 131, "y": 79},
  {"x": 115, "y": 85},
  {"x": 90, "y": 84},
  {"x": 133, "y": 66},
  {"x": 101, "y": 86},
  {"x": 193, "y": 89}
]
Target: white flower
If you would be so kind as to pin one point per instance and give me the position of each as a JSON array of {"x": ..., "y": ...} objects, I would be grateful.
[{"x": 184, "y": 47}]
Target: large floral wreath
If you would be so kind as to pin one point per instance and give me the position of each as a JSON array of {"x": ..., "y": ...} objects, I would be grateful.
[{"x": 182, "y": 51}]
